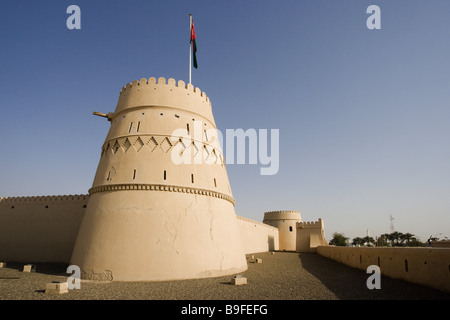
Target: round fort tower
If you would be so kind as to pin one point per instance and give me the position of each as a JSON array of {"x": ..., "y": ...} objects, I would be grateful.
[
  {"x": 285, "y": 221},
  {"x": 160, "y": 206}
]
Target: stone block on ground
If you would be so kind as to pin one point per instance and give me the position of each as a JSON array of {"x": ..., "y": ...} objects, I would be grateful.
[
  {"x": 29, "y": 268},
  {"x": 238, "y": 280},
  {"x": 56, "y": 288}
]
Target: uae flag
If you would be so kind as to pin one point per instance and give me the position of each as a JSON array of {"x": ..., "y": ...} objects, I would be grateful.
[{"x": 193, "y": 43}]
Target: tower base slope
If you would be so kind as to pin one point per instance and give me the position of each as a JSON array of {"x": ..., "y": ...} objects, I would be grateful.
[{"x": 168, "y": 236}]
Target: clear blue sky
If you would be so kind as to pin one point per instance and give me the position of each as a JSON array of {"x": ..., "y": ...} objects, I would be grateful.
[{"x": 363, "y": 114}]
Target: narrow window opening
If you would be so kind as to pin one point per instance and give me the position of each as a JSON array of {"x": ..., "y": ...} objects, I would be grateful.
[
  {"x": 46, "y": 207},
  {"x": 215, "y": 183},
  {"x": 290, "y": 228},
  {"x": 192, "y": 178},
  {"x": 139, "y": 124},
  {"x": 177, "y": 116},
  {"x": 206, "y": 136},
  {"x": 187, "y": 128},
  {"x": 109, "y": 176},
  {"x": 134, "y": 174},
  {"x": 85, "y": 206},
  {"x": 161, "y": 114},
  {"x": 379, "y": 262},
  {"x": 12, "y": 207},
  {"x": 165, "y": 175},
  {"x": 131, "y": 125},
  {"x": 406, "y": 265}
]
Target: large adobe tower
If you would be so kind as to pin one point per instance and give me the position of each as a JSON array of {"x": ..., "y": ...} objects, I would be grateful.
[{"x": 151, "y": 216}]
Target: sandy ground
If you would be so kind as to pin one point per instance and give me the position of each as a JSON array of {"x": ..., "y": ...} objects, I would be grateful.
[{"x": 281, "y": 276}]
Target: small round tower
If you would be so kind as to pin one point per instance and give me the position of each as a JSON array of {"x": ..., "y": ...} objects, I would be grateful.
[
  {"x": 160, "y": 206},
  {"x": 285, "y": 221}
]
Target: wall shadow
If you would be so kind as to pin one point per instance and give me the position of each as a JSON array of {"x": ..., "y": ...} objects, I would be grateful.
[
  {"x": 350, "y": 283},
  {"x": 55, "y": 269}
]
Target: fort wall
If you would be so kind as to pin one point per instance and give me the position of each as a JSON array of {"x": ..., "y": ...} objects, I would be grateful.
[
  {"x": 425, "y": 266},
  {"x": 44, "y": 229},
  {"x": 310, "y": 235},
  {"x": 256, "y": 236},
  {"x": 40, "y": 229}
]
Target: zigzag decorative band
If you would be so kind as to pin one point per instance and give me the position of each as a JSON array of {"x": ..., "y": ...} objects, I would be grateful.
[{"x": 161, "y": 187}]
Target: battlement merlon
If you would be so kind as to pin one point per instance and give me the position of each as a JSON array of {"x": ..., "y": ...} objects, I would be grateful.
[
  {"x": 310, "y": 224},
  {"x": 162, "y": 93}
]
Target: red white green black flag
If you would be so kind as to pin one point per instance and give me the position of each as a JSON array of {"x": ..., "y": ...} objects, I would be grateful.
[{"x": 193, "y": 43}]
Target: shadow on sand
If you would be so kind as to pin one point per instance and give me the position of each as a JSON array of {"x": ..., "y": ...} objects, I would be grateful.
[
  {"x": 350, "y": 283},
  {"x": 55, "y": 269}
]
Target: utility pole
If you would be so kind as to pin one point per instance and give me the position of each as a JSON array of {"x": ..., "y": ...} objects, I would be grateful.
[{"x": 392, "y": 224}]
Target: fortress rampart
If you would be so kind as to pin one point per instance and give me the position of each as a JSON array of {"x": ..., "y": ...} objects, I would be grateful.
[
  {"x": 256, "y": 236},
  {"x": 43, "y": 229},
  {"x": 40, "y": 229},
  {"x": 424, "y": 266},
  {"x": 310, "y": 224},
  {"x": 310, "y": 235}
]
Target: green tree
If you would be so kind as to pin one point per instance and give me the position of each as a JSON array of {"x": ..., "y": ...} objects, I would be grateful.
[
  {"x": 415, "y": 242},
  {"x": 395, "y": 238},
  {"x": 368, "y": 241},
  {"x": 358, "y": 241},
  {"x": 383, "y": 240},
  {"x": 398, "y": 239},
  {"x": 406, "y": 238},
  {"x": 339, "y": 240}
]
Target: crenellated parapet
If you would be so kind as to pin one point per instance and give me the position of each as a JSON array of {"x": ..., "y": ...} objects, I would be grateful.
[
  {"x": 162, "y": 81},
  {"x": 34, "y": 199},
  {"x": 164, "y": 92},
  {"x": 310, "y": 224},
  {"x": 282, "y": 215},
  {"x": 282, "y": 212}
]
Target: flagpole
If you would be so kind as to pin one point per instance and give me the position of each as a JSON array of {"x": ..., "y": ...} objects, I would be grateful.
[{"x": 190, "y": 48}]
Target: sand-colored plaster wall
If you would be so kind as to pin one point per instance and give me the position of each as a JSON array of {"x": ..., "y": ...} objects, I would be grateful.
[
  {"x": 161, "y": 206},
  {"x": 424, "y": 266},
  {"x": 285, "y": 221},
  {"x": 310, "y": 235},
  {"x": 40, "y": 229},
  {"x": 44, "y": 229},
  {"x": 257, "y": 236}
]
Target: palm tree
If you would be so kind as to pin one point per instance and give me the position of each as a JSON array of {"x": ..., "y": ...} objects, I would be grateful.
[
  {"x": 358, "y": 241},
  {"x": 395, "y": 237},
  {"x": 368, "y": 241},
  {"x": 407, "y": 237},
  {"x": 383, "y": 240}
]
